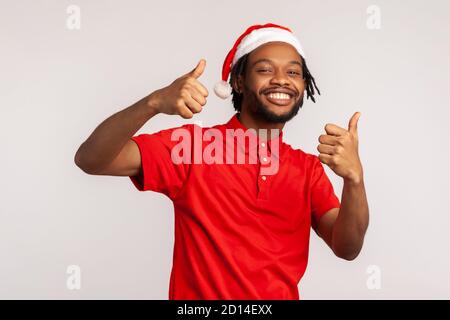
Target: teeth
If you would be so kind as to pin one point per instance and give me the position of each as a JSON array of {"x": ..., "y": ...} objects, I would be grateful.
[{"x": 278, "y": 96}]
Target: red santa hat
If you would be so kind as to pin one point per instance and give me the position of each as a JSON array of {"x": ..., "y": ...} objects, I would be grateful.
[{"x": 252, "y": 38}]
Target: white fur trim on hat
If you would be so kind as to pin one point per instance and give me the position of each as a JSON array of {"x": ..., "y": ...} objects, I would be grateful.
[{"x": 261, "y": 36}]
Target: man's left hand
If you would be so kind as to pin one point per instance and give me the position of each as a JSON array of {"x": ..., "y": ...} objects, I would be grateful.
[{"x": 339, "y": 150}]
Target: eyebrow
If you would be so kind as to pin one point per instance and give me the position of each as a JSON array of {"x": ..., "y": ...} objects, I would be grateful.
[{"x": 270, "y": 61}]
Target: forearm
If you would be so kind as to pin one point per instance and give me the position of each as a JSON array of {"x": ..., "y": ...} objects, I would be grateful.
[
  {"x": 351, "y": 224},
  {"x": 110, "y": 136}
]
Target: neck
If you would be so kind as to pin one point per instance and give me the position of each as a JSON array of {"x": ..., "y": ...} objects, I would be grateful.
[{"x": 252, "y": 123}]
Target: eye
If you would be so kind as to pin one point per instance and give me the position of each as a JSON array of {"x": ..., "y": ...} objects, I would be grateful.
[
  {"x": 294, "y": 72},
  {"x": 263, "y": 70}
]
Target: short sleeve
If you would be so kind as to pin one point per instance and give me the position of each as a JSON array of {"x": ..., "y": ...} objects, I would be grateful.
[
  {"x": 322, "y": 193},
  {"x": 159, "y": 172}
]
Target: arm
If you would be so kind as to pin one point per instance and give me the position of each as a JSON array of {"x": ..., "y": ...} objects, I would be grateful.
[
  {"x": 109, "y": 150},
  {"x": 344, "y": 228}
]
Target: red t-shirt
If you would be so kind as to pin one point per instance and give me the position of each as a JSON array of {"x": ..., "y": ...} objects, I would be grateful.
[{"x": 239, "y": 234}]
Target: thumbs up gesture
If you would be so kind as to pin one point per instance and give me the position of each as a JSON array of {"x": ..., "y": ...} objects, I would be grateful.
[
  {"x": 184, "y": 96},
  {"x": 338, "y": 149}
]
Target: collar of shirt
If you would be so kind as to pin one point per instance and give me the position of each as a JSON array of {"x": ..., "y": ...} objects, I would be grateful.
[{"x": 234, "y": 123}]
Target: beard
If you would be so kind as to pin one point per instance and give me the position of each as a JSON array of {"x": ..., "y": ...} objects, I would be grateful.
[{"x": 262, "y": 111}]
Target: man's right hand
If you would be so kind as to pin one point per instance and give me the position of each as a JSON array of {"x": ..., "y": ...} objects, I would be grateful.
[{"x": 185, "y": 96}]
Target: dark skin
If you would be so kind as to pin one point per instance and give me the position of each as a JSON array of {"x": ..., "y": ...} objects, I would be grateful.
[{"x": 109, "y": 149}]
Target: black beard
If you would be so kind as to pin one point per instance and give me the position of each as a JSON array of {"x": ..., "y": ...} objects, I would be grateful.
[{"x": 262, "y": 111}]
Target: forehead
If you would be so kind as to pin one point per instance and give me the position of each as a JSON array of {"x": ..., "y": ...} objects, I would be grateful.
[{"x": 276, "y": 51}]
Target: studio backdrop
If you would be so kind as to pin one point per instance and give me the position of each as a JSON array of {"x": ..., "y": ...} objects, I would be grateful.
[{"x": 65, "y": 66}]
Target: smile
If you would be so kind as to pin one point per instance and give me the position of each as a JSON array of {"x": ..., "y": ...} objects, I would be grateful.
[{"x": 280, "y": 99}]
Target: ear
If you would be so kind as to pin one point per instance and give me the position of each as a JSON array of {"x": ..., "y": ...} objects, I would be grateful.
[{"x": 238, "y": 83}]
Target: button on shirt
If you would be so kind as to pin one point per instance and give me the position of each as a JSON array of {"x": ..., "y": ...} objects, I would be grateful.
[{"x": 241, "y": 230}]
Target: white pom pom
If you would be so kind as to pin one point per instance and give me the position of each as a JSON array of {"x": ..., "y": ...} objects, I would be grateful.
[{"x": 222, "y": 89}]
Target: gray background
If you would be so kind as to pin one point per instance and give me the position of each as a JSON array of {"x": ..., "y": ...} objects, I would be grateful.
[{"x": 58, "y": 84}]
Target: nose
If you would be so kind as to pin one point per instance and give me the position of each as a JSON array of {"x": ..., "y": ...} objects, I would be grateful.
[{"x": 280, "y": 78}]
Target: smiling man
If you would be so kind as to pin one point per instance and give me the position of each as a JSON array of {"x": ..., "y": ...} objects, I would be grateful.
[{"x": 241, "y": 232}]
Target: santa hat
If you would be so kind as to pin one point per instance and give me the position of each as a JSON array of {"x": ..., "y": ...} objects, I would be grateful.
[{"x": 252, "y": 38}]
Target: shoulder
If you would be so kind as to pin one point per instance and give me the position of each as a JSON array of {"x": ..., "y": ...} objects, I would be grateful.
[
  {"x": 300, "y": 156},
  {"x": 168, "y": 133}
]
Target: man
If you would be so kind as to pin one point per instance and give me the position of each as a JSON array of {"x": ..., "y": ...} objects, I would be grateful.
[{"x": 241, "y": 229}]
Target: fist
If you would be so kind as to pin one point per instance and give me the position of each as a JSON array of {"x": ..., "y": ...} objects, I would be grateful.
[
  {"x": 185, "y": 96},
  {"x": 338, "y": 149}
]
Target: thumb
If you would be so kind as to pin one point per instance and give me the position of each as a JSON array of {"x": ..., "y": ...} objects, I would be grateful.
[
  {"x": 353, "y": 123},
  {"x": 198, "y": 70}
]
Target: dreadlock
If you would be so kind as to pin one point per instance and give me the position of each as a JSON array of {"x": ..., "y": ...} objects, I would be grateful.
[{"x": 239, "y": 69}]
